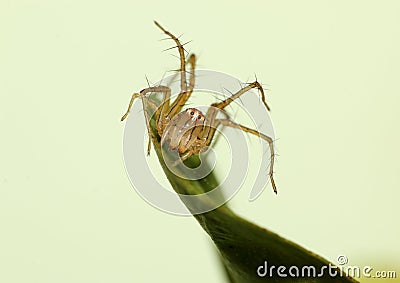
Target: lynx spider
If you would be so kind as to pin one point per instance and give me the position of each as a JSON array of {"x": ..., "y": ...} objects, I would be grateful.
[{"x": 190, "y": 132}]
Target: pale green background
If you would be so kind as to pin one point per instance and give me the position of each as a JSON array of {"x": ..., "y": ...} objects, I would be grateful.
[{"x": 67, "y": 210}]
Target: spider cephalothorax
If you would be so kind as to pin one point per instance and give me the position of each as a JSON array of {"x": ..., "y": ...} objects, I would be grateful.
[
  {"x": 183, "y": 131},
  {"x": 189, "y": 132}
]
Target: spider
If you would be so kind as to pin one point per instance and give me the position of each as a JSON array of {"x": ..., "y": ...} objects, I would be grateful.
[{"x": 190, "y": 132}]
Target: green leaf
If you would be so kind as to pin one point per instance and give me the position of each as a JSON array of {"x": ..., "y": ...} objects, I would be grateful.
[{"x": 243, "y": 246}]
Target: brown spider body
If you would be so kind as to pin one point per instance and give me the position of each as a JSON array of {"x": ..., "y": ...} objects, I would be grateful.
[
  {"x": 189, "y": 132},
  {"x": 183, "y": 132}
]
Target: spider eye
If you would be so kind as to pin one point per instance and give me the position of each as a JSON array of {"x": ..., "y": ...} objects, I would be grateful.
[
  {"x": 191, "y": 113},
  {"x": 199, "y": 117}
]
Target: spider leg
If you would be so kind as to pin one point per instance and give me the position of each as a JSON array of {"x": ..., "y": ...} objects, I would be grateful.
[
  {"x": 209, "y": 130},
  {"x": 146, "y": 103},
  {"x": 183, "y": 97},
  {"x": 181, "y": 56},
  {"x": 229, "y": 123},
  {"x": 226, "y": 102},
  {"x": 162, "y": 111},
  {"x": 187, "y": 154},
  {"x": 186, "y": 90},
  {"x": 184, "y": 156},
  {"x": 134, "y": 96}
]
